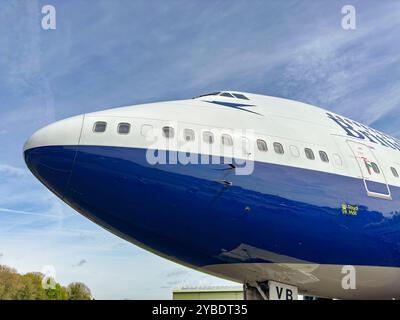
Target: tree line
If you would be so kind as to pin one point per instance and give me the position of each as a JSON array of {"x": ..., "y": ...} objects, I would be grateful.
[{"x": 32, "y": 286}]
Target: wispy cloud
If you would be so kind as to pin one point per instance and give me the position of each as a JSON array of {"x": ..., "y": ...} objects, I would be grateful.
[
  {"x": 348, "y": 71},
  {"x": 5, "y": 210},
  {"x": 81, "y": 263},
  {"x": 177, "y": 273}
]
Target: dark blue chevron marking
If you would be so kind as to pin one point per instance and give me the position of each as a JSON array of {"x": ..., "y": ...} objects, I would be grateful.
[{"x": 234, "y": 105}]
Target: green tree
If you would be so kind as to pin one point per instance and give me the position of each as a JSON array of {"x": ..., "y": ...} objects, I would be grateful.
[
  {"x": 32, "y": 287},
  {"x": 14, "y": 286},
  {"x": 8, "y": 283},
  {"x": 57, "y": 293},
  {"x": 79, "y": 291}
]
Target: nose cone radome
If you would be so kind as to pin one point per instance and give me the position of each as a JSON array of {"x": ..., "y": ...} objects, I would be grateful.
[{"x": 50, "y": 152}]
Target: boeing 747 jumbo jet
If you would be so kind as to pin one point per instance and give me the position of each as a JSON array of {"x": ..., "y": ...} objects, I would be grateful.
[{"x": 268, "y": 192}]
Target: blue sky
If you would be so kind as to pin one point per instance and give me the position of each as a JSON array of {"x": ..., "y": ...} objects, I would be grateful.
[{"x": 113, "y": 53}]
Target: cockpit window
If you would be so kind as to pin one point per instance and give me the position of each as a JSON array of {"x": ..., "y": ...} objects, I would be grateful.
[
  {"x": 209, "y": 94},
  {"x": 226, "y": 94},
  {"x": 240, "y": 96}
]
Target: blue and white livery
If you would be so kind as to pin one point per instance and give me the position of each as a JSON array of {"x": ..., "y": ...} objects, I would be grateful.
[{"x": 245, "y": 187}]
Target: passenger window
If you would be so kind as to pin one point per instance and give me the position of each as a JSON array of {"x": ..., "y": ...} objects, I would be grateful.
[
  {"x": 262, "y": 145},
  {"x": 146, "y": 130},
  {"x": 309, "y": 154},
  {"x": 188, "y": 134},
  {"x": 394, "y": 171},
  {"x": 246, "y": 146},
  {"x": 338, "y": 159},
  {"x": 278, "y": 148},
  {"x": 208, "y": 137},
  {"x": 124, "y": 128},
  {"x": 227, "y": 140},
  {"x": 100, "y": 126},
  {"x": 294, "y": 151},
  {"x": 375, "y": 168},
  {"x": 324, "y": 157},
  {"x": 168, "y": 132}
]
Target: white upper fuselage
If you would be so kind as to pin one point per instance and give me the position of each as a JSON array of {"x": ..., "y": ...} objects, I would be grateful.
[
  {"x": 314, "y": 167},
  {"x": 294, "y": 124}
]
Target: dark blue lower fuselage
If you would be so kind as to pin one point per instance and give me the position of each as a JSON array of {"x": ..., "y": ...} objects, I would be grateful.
[{"x": 185, "y": 212}]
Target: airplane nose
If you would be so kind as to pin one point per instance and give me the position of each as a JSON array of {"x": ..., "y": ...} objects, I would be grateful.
[{"x": 50, "y": 152}]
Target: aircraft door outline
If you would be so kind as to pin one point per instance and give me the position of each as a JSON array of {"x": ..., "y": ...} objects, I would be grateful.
[{"x": 370, "y": 171}]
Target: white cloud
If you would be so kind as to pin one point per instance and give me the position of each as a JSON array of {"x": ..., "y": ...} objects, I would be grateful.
[{"x": 12, "y": 170}]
